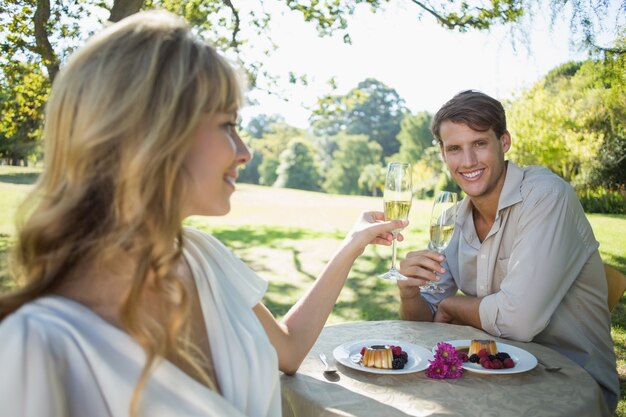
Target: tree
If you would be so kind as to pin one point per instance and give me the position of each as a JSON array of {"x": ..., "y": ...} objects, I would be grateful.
[
  {"x": 372, "y": 179},
  {"x": 349, "y": 160},
  {"x": 43, "y": 33},
  {"x": 298, "y": 168},
  {"x": 371, "y": 109},
  {"x": 267, "y": 149},
  {"x": 414, "y": 137},
  {"x": 573, "y": 122},
  {"x": 23, "y": 92},
  {"x": 33, "y": 28},
  {"x": 262, "y": 124}
]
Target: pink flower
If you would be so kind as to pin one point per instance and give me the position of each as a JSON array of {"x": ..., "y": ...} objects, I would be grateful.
[
  {"x": 446, "y": 351},
  {"x": 446, "y": 363},
  {"x": 437, "y": 369},
  {"x": 455, "y": 370}
]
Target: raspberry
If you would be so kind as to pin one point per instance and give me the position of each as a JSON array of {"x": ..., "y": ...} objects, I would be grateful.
[
  {"x": 508, "y": 363},
  {"x": 474, "y": 358},
  {"x": 396, "y": 350},
  {"x": 397, "y": 363},
  {"x": 483, "y": 360},
  {"x": 463, "y": 356},
  {"x": 496, "y": 364},
  {"x": 363, "y": 351},
  {"x": 483, "y": 352},
  {"x": 487, "y": 364}
]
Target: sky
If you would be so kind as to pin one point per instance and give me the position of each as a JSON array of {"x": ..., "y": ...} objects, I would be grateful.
[{"x": 423, "y": 62}]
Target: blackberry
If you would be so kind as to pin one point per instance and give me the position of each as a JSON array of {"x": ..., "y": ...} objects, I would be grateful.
[
  {"x": 397, "y": 363},
  {"x": 502, "y": 356},
  {"x": 491, "y": 357},
  {"x": 474, "y": 358},
  {"x": 403, "y": 356}
]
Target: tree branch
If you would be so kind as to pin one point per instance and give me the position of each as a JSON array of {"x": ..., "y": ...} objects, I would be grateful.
[
  {"x": 442, "y": 21},
  {"x": 124, "y": 8},
  {"x": 236, "y": 29},
  {"x": 43, "y": 47}
]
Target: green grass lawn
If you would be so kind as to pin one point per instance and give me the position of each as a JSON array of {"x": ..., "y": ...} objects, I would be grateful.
[{"x": 287, "y": 236}]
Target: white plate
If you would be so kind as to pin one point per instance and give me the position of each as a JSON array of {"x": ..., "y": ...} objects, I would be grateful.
[
  {"x": 524, "y": 361},
  {"x": 349, "y": 354}
]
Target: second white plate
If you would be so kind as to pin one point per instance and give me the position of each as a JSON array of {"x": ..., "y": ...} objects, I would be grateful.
[
  {"x": 524, "y": 360},
  {"x": 349, "y": 354}
]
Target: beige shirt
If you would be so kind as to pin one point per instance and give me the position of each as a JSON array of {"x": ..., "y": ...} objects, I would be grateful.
[{"x": 539, "y": 272}]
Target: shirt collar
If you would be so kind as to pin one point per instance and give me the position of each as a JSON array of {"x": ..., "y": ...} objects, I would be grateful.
[{"x": 511, "y": 190}]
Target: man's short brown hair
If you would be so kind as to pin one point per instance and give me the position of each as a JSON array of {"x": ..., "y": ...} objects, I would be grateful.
[{"x": 473, "y": 108}]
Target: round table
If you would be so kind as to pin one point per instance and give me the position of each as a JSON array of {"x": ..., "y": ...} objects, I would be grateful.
[{"x": 570, "y": 392}]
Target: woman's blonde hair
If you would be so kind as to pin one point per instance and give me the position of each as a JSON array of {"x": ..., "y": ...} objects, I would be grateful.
[{"x": 117, "y": 129}]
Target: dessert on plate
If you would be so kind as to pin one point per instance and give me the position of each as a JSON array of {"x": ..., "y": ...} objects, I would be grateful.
[
  {"x": 477, "y": 344},
  {"x": 384, "y": 357}
]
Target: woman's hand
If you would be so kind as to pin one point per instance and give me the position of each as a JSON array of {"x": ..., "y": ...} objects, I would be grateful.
[{"x": 373, "y": 228}]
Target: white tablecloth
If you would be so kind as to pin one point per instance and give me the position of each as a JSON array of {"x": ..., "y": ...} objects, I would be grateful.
[{"x": 570, "y": 392}]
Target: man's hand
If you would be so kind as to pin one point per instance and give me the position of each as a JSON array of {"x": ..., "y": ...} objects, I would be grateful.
[
  {"x": 418, "y": 267},
  {"x": 421, "y": 266},
  {"x": 460, "y": 309}
]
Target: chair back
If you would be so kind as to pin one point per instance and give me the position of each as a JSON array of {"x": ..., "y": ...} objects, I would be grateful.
[{"x": 617, "y": 285}]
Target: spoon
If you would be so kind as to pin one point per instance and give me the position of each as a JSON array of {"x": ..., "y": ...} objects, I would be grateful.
[
  {"x": 548, "y": 367},
  {"x": 329, "y": 370}
]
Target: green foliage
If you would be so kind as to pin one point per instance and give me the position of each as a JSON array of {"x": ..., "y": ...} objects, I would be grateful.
[
  {"x": 601, "y": 200},
  {"x": 262, "y": 124},
  {"x": 430, "y": 174},
  {"x": 349, "y": 160},
  {"x": 372, "y": 178},
  {"x": 563, "y": 123},
  {"x": 266, "y": 151},
  {"x": 371, "y": 109},
  {"x": 23, "y": 92},
  {"x": 414, "y": 137},
  {"x": 298, "y": 168}
]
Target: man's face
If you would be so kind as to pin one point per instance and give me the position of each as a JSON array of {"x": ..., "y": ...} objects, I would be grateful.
[{"x": 475, "y": 159}]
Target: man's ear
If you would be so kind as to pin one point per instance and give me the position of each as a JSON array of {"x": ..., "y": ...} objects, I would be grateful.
[{"x": 505, "y": 139}]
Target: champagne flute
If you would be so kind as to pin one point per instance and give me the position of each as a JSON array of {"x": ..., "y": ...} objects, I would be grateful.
[
  {"x": 397, "y": 199},
  {"x": 442, "y": 222}
]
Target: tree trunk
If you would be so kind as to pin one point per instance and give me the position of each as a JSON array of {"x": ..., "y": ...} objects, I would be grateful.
[
  {"x": 124, "y": 8},
  {"x": 50, "y": 59}
]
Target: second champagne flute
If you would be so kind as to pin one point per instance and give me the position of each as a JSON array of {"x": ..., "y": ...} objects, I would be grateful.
[
  {"x": 442, "y": 222},
  {"x": 397, "y": 199}
]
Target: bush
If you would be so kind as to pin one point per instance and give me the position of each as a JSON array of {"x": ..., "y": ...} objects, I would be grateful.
[{"x": 601, "y": 200}]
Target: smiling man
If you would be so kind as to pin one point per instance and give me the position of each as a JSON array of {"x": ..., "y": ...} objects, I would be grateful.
[{"x": 523, "y": 253}]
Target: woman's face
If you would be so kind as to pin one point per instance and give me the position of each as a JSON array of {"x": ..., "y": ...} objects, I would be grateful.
[{"x": 211, "y": 165}]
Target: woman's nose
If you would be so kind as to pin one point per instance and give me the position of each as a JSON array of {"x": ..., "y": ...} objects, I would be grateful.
[{"x": 243, "y": 153}]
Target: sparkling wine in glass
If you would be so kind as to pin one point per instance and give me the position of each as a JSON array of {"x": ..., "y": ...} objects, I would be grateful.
[
  {"x": 397, "y": 199},
  {"x": 442, "y": 221}
]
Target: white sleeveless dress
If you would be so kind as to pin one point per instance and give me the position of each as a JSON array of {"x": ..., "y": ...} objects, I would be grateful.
[{"x": 58, "y": 358}]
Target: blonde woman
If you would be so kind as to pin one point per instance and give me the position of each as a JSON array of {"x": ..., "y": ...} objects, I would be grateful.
[{"x": 121, "y": 311}]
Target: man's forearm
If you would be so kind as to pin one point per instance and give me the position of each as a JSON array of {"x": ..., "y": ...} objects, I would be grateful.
[
  {"x": 460, "y": 310},
  {"x": 415, "y": 308}
]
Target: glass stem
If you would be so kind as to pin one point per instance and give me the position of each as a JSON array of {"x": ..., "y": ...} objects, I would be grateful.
[{"x": 393, "y": 252}]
